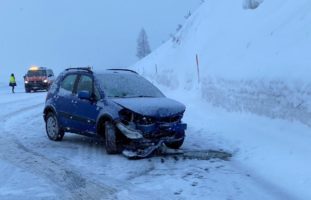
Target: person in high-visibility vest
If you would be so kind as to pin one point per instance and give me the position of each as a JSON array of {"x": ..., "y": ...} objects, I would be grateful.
[{"x": 12, "y": 82}]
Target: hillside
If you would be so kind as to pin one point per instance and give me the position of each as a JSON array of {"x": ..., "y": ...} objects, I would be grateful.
[{"x": 254, "y": 60}]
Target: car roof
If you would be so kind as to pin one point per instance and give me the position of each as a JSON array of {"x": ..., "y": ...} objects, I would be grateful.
[{"x": 105, "y": 71}]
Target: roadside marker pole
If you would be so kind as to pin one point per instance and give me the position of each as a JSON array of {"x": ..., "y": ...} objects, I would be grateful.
[{"x": 198, "y": 66}]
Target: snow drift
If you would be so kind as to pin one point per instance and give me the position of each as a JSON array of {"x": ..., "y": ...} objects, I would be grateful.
[{"x": 254, "y": 60}]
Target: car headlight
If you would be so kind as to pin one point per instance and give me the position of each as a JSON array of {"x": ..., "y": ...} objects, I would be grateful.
[
  {"x": 45, "y": 81},
  {"x": 26, "y": 82},
  {"x": 128, "y": 116}
]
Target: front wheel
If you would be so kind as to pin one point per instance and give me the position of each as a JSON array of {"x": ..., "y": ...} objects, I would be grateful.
[
  {"x": 175, "y": 145},
  {"x": 110, "y": 138},
  {"x": 179, "y": 143},
  {"x": 52, "y": 128}
]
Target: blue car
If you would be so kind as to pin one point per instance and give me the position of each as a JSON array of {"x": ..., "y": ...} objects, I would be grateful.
[{"x": 118, "y": 106}]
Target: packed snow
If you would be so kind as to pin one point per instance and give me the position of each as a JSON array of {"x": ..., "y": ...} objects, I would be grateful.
[
  {"x": 252, "y": 100},
  {"x": 252, "y": 86}
]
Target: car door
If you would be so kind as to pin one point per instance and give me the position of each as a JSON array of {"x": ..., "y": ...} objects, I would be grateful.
[
  {"x": 86, "y": 110},
  {"x": 64, "y": 101}
]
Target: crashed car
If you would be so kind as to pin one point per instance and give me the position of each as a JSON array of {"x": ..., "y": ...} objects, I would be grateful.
[{"x": 119, "y": 106}]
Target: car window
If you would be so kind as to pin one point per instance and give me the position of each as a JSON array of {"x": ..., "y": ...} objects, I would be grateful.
[
  {"x": 96, "y": 93},
  {"x": 127, "y": 86},
  {"x": 55, "y": 85},
  {"x": 67, "y": 84},
  {"x": 50, "y": 73},
  {"x": 85, "y": 83}
]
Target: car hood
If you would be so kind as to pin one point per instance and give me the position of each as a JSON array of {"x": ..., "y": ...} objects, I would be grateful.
[{"x": 155, "y": 107}]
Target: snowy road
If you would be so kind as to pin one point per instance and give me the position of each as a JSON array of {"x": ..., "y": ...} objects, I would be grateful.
[{"x": 32, "y": 167}]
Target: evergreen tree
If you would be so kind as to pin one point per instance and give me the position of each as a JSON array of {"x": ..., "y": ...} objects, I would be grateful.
[{"x": 143, "y": 48}]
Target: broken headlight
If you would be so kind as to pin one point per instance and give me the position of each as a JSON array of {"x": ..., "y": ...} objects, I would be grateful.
[{"x": 128, "y": 117}]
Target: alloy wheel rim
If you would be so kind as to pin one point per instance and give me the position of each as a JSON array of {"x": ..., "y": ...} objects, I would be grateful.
[{"x": 52, "y": 127}]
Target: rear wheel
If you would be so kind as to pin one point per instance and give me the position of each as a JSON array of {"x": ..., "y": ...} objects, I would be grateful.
[
  {"x": 52, "y": 128},
  {"x": 110, "y": 138}
]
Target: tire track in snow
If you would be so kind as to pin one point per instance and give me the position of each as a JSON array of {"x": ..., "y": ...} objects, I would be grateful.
[{"x": 70, "y": 184}]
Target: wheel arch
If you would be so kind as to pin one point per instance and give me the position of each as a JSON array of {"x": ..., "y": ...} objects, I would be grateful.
[
  {"x": 100, "y": 123},
  {"x": 47, "y": 110}
]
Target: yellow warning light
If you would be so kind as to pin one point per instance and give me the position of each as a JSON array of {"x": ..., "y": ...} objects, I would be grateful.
[{"x": 34, "y": 68}]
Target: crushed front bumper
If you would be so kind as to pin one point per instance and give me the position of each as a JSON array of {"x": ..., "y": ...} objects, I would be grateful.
[{"x": 146, "y": 139}]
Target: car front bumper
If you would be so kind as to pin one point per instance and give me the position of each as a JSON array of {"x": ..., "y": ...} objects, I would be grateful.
[
  {"x": 145, "y": 139},
  {"x": 37, "y": 85}
]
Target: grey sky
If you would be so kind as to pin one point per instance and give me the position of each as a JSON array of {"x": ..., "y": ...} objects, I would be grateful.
[{"x": 63, "y": 33}]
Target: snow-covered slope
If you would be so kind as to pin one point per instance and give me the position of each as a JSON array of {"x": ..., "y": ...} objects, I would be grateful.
[{"x": 254, "y": 60}]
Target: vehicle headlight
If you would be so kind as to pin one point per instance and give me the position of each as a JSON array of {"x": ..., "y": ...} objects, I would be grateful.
[
  {"x": 45, "y": 81},
  {"x": 128, "y": 116},
  {"x": 26, "y": 82}
]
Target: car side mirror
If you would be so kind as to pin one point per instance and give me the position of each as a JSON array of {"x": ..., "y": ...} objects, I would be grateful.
[
  {"x": 84, "y": 95},
  {"x": 50, "y": 75}
]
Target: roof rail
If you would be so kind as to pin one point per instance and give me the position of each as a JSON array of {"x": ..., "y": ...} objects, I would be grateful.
[
  {"x": 127, "y": 70},
  {"x": 88, "y": 69}
]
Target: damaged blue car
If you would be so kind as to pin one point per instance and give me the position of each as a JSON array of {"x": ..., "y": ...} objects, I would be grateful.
[{"x": 119, "y": 106}]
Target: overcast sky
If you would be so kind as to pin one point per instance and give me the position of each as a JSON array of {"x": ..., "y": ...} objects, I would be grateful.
[{"x": 101, "y": 33}]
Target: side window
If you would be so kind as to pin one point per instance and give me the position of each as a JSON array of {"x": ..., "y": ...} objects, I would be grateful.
[
  {"x": 96, "y": 93},
  {"x": 85, "y": 83},
  {"x": 55, "y": 85},
  {"x": 68, "y": 83},
  {"x": 50, "y": 73}
]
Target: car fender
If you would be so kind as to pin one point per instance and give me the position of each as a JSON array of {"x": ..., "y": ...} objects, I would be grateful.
[
  {"x": 109, "y": 111},
  {"x": 48, "y": 108}
]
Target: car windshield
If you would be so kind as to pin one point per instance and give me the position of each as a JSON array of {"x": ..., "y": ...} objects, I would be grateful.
[
  {"x": 36, "y": 73},
  {"x": 119, "y": 85}
]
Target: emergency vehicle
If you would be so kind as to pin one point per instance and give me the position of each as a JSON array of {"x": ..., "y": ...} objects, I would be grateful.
[{"x": 38, "y": 78}]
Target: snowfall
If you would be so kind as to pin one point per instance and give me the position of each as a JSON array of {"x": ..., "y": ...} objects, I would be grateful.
[{"x": 250, "y": 97}]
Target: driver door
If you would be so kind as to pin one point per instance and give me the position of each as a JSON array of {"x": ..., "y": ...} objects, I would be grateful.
[{"x": 86, "y": 110}]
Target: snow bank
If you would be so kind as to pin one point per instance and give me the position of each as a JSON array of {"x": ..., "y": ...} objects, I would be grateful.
[{"x": 255, "y": 60}]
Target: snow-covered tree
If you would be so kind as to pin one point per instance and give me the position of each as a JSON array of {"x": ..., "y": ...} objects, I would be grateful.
[
  {"x": 251, "y": 4},
  {"x": 143, "y": 48}
]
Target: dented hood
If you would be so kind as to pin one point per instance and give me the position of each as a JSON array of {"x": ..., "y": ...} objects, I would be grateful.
[{"x": 155, "y": 107}]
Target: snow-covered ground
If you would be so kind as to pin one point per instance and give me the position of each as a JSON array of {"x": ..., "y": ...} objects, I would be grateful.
[
  {"x": 253, "y": 101},
  {"x": 269, "y": 158},
  {"x": 252, "y": 93}
]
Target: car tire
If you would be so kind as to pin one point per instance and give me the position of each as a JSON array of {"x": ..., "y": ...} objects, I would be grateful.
[
  {"x": 110, "y": 138},
  {"x": 52, "y": 128},
  {"x": 27, "y": 90},
  {"x": 177, "y": 144}
]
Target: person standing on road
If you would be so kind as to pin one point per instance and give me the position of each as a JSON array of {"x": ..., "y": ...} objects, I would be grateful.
[{"x": 12, "y": 82}]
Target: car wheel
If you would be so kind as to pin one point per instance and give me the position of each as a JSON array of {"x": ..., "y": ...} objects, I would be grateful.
[
  {"x": 110, "y": 138},
  {"x": 177, "y": 144},
  {"x": 52, "y": 128},
  {"x": 27, "y": 90}
]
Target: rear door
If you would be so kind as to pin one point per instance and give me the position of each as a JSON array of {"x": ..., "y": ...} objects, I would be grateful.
[
  {"x": 86, "y": 111},
  {"x": 65, "y": 101}
]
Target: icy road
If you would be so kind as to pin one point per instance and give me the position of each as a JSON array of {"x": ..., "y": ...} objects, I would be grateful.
[{"x": 271, "y": 158}]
